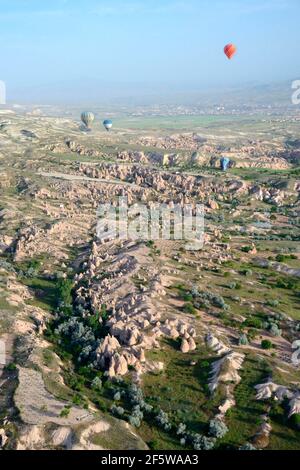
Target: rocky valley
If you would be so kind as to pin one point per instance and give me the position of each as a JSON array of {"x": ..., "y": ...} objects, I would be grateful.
[{"x": 146, "y": 343}]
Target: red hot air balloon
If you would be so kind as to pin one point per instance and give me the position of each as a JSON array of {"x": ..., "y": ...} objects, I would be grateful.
[{"x": 230, "y": 50}]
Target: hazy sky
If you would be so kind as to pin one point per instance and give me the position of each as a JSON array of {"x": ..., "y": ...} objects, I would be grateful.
[{"x": 145, "y": 44}]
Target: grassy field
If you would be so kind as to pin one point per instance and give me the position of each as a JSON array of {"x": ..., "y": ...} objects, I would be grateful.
[
  {"x": 180, "y": 122},
  {"x": 45, "y": 292},
  {"x": 227, "y": 126},
  {"x": 180, "y": 390},
  {"x": 243, "y": 419}
]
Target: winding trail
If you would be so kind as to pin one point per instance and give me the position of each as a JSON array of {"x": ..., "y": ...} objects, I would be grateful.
[{"x": 68, "y": 177}]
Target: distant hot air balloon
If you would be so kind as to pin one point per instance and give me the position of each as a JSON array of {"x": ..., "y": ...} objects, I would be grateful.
[
  {"x": 230, "y": 50},
  {"x": 107, "y": 124},
  {"x": 87, "y": 118},
  {"x": 224, "y": 163}
]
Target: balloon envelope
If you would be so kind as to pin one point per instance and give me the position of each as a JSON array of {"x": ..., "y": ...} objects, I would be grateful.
[
  {"x": 87, "y": 118},
  {"x": 224, "y": 163},
  {"x": 230, "y": 50},
  {"x": 107, "y": 124}
]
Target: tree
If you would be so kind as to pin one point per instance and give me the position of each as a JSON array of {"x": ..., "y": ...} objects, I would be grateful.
[
  {"x": 64, "y": 289},
  {"x": 181, "y": 429},
  {"x": 117, "y": 396},
  {"x": 217, "y": 428},
  {"x": 96, "y": 383},
  {"x": 208, "y": 443},
  {"x": 162, "y": 419},
  {"x": 117, "y": 410},
  {"x": 247, "y": 446},
  {"x": 200, "y": 442}
]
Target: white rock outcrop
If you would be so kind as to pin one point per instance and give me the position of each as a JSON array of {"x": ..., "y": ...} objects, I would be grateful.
[
  {"x": 215, "y": 344},
  {"x": 226, "y": 369}
]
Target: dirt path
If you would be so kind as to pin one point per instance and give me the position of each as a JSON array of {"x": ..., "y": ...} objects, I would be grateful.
[{"x": 68, "y": 177}]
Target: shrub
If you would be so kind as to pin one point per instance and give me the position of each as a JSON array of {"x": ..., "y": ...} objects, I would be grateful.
[
  {"x": 247, "y": 446},
  {"x": 77, "y": 399},
  {"x": 253, "y": 322},
  {"x": 273, "y": 303},
  {"x": 275, "y": 330},
  {"x": 295, "y": 419},
  {"x": 246, "y": 249},
  {"x": 266, "y": 344},
  {"x": 154, "y": 444},
  {"x": 10, "y": 367},
  {"x": 207, "y": 299},
  {"x": 247, "y": 272},
  {"x": 232, "y": 285},
  {"x": 187, "y": 297},
  {"x": 243, "y": 340},
  {"x": 252, "y": 334},
  {"x": 189, "y": 308},
  {"x": 65, "y": 412}
]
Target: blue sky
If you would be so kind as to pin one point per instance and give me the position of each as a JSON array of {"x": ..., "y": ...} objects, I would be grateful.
[{"x": 147, "y": 44}]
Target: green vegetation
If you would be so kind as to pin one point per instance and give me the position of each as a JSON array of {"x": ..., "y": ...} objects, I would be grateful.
[
  {"x": 45, "y": 292},
  {"x": 64, "y": 291},
  {"x": 295, "y": 419},
  {"x": 65, "y": 411},
  {"x": 189, "y": 308},
  {"x": 174, "y": 122},
  {"x": 243, "y": 419},
  {"x": 181, "y": 388},
  {"x": 266, "y": 344}
]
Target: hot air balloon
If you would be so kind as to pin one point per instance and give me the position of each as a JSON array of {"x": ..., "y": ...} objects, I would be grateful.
[
  {"x": 224, "y": 163},
  {"x": 230, "y": 50},
  {"x": 87, "y": 118},
  {"x": 107, "y": 124}
]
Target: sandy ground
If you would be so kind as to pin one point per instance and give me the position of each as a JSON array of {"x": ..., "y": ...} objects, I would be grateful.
[{"x": 38, "y": 406}]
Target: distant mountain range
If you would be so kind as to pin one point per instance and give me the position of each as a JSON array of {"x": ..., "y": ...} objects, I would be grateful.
[{"x": 94, "y": 93}]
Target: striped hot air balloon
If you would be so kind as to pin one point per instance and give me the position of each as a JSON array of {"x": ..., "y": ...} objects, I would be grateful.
[
  {"x": 224, "y": 163},
  {"x": 107, "y": 124},
  {"x": 230, "y": 50},
  {"x": 87, "y": 118}
]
